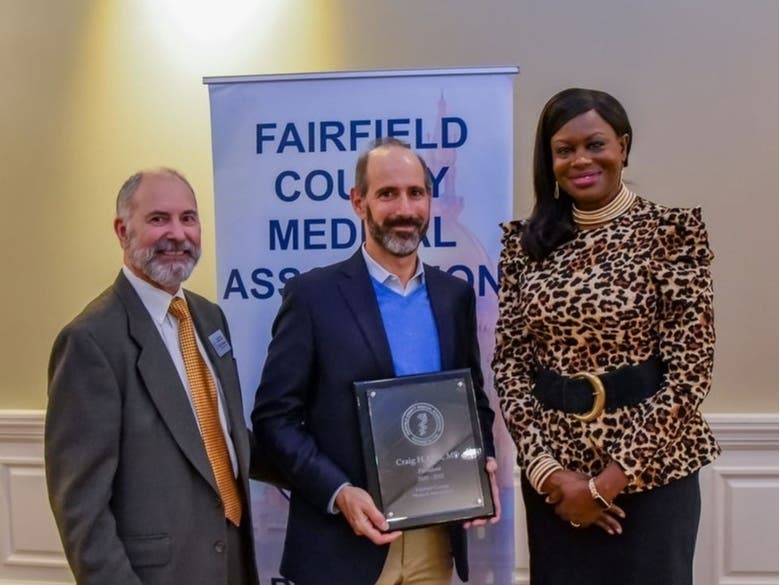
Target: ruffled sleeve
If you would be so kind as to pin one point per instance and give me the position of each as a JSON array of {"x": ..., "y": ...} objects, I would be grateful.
[
  {"x": 680, "y": 263},
  {"x": 513, "y": 360}
]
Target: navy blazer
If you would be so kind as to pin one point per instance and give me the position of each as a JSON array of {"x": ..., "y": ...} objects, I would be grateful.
[{"x": 328, "y": 334}]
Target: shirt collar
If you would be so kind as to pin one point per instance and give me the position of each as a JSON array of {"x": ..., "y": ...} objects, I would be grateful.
[
  {"x": 156, "y": 300},
  {"x": 381, "y": 274}
]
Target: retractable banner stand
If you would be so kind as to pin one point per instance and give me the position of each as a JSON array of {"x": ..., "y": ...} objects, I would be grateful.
[{"x": 284, "y": 152}]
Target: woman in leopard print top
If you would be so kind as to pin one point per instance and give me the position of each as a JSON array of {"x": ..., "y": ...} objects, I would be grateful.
[{"x": 599, "y": 280}]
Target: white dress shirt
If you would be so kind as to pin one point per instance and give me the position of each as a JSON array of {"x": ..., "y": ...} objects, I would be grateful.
[
  {"x": 157, "y": 302},
  {"x": 390, "y": 280}
]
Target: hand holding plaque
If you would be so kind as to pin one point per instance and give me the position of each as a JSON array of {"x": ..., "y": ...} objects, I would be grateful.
[{"x": 423, "y": 449}]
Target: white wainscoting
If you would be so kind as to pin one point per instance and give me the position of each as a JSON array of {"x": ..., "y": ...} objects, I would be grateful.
[
  {"x": 738, "y": 537},
  {"x": 30, "y": 550}
]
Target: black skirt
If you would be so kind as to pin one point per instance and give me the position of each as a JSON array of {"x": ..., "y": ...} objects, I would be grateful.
[{"x": 655, "y": 548}]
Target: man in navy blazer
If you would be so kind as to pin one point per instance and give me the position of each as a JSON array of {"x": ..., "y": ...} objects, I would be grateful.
[
  {"x": 344, "y": 323},
  {"x": 130, "y": 482}
]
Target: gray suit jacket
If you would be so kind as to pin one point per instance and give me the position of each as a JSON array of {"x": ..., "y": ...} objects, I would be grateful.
[{"x": 129, "y": 480}]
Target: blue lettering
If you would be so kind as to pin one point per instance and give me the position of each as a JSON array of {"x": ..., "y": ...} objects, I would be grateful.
[
  {"x": 486, "y": 277},
  {"x": 286, "y": 274},
  {"x": 290, "y": 137},
  {"x": 261, "y": 136},
  {"x": 312, "y": 134},
  {"x": 335, "y": 242},
  {"x": 437, "y": 179},
  {"x": 257, "y": 275},
  {"x": 397, "y": 127},
  {"x": 317, "y": 186},
  {"x": 343, "y": 135},
  {"x": 263, "y": 278},
  {"x": 438, "y": 241},
  {"x": 343, "y": 187},
  {"x": 418, "y": 131},
  {"x": 278, "y": 186},
  {"x": 331, "y": 131},
  {"x": 328, "y": 185},
  {"x": 486, "y": 280},
  {"x": 283, "y": 241},
  {"x": 354, "y": 133},
  {"x": 313, "y": 234},
  {"x": 310, "y": 232},
  {"x": 468, "y": 275},
  {"x": 447, "y": 140},
  {"x": 235, "y": 285}
]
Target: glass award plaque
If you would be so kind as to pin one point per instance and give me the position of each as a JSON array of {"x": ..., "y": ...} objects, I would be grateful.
[{"x": 423, "y": 449}]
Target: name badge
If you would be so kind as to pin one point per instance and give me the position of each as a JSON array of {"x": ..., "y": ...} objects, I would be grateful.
[{"x": 219, "y": 343}]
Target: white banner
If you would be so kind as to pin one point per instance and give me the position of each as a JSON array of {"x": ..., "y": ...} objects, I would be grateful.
[{"x": 284, "y": 152}]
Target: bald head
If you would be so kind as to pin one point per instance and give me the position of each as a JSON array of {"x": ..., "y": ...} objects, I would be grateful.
[
  {"x": 124, "y": 199},
  {"x": 361, "y": 168}
]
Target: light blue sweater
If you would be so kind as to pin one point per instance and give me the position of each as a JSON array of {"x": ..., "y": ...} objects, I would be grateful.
[{"x": 410, "y": 329}]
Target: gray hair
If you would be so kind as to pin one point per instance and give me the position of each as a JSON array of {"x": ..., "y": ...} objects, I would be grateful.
[
  {"x": 361, "y": 180},
  {"x": 124, "y": 199}
]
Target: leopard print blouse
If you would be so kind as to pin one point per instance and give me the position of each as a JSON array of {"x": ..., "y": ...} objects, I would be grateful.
[{"x": 614, "y": 295}]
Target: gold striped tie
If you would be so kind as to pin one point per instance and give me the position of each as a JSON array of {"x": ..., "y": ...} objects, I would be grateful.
[{"x": 204, "y": 398}]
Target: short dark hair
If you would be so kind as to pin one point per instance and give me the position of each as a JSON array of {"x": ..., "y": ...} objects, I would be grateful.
[
  {"x": 361, "y": 181},
  {"x": 124, "y": 199},
  {"x": 550, "y": 223}
]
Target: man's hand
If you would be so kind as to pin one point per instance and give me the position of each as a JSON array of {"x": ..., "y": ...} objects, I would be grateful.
[
  {"x": 491, "y": 467},
  {"x": 363, "y": 516}
]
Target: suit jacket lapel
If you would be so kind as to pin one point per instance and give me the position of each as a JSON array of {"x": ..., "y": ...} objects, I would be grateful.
[
  {"x": 443, "y": 308},
  {"x": 360, "y": 296},
  {"x": 162, "y": 380}
]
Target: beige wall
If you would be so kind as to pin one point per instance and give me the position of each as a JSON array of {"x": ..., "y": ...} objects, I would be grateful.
[{"x": 92, "y": 90}]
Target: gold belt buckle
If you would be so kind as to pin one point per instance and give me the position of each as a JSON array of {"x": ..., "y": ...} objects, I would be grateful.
[{"x": 599, "y": 397}]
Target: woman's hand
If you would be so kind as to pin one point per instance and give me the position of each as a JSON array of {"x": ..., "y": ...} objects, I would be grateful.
[
  {"x": 568, "y": 491},
  {"x": 608, "y": 520}
]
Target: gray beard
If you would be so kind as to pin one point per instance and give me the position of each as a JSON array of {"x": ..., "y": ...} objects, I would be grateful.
[
  {"x": 167, "y": 274},
  {"x": 400, "y": 246}
]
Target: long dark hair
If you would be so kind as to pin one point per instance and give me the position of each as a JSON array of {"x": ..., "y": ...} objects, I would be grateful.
[{"x": 550, "y": 223}]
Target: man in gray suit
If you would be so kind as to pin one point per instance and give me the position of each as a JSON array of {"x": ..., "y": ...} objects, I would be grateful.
[{"x": 147, "y": 453}]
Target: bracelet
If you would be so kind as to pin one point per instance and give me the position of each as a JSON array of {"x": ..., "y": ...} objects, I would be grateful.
[
  {"x": 537, "y": 467},
  {"x": 544, "y": 476},
  {"x": 540, "y": 469},
  {"x": 594, "y": 493}
]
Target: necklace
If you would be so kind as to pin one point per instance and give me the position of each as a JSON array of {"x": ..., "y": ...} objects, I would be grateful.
[{"x": 615, "y": 208}]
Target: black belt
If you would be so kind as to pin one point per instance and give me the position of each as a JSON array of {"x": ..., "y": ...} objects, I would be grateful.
[{"x": 582, "y": 395}]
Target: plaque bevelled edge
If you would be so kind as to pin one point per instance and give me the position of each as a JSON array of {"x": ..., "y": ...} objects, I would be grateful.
[{"x": 362, "y": 388}]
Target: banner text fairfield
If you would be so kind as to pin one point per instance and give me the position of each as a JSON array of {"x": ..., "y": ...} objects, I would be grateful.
[{"x": 305, "y": 186}]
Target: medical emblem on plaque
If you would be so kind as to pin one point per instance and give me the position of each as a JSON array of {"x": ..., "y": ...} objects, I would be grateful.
[{"x": 422, "y": 424}]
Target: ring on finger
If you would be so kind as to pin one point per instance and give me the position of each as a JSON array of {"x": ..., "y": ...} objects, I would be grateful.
[{"x": 575, "y": 524}]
